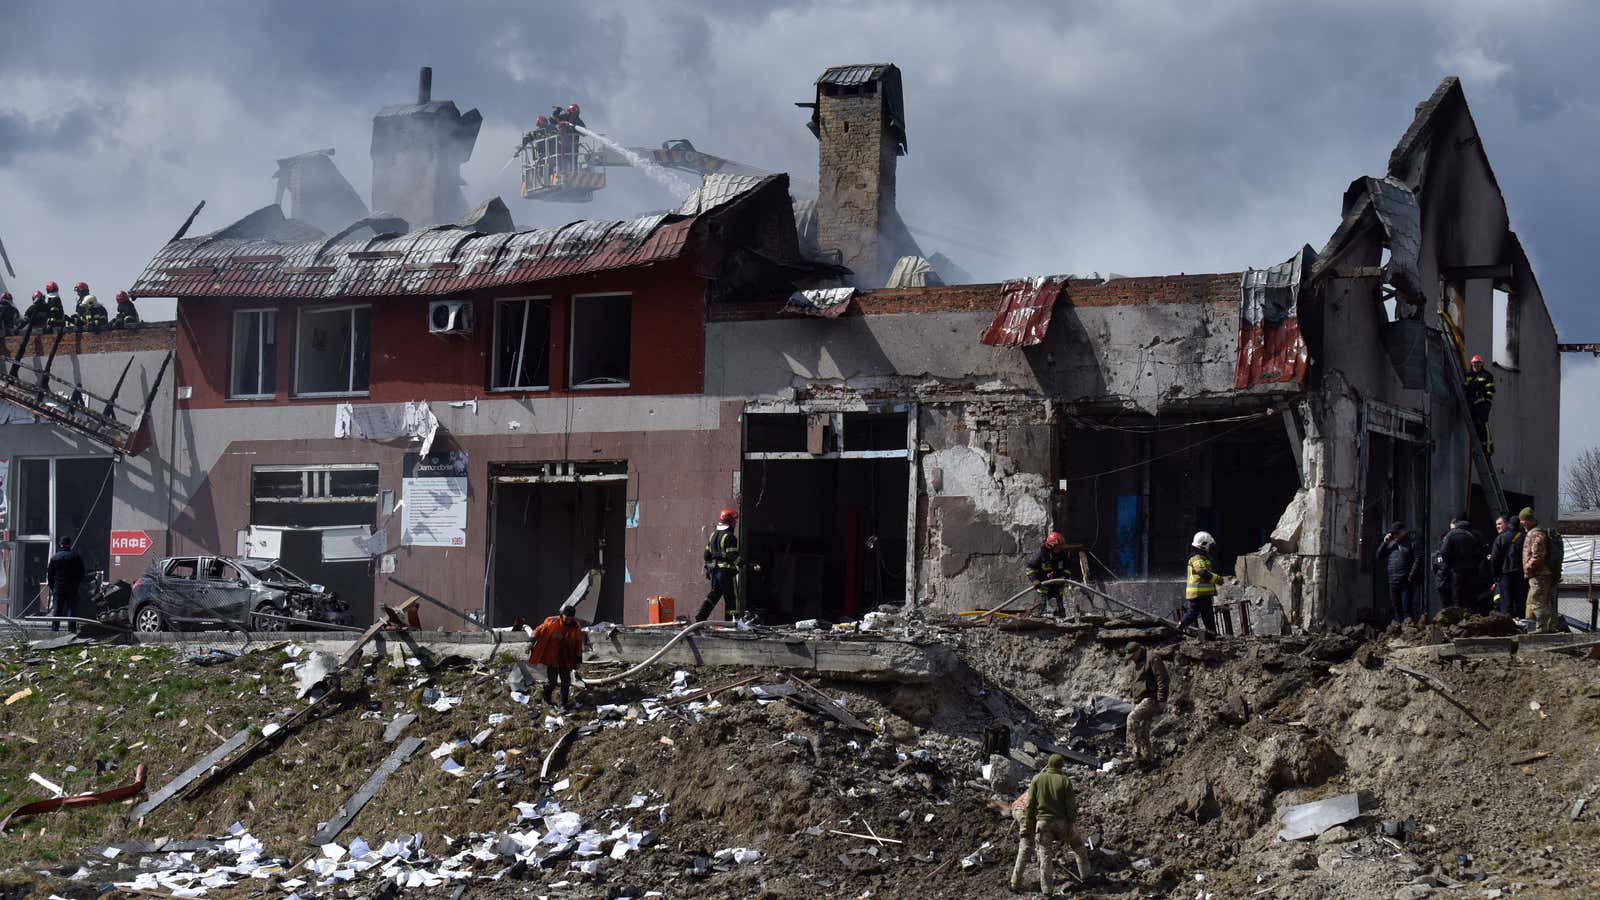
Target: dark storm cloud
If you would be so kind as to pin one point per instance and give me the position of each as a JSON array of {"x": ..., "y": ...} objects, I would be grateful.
[{"x": 1130, "y": 136}]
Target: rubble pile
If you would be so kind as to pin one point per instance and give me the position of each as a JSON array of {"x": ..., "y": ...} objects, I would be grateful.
[{"x": 1345, "y": 764}]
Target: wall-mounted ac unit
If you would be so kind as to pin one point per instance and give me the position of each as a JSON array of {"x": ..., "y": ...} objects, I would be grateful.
[{"x": 450, "y": 317}]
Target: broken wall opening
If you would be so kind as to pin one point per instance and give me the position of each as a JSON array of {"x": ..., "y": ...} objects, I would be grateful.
[
  {"x": 305, "y": 516},
  {"x": 1395, "y": 490},
  {"x": 1139, "y": 487},
  {"x": 549, "y": 525}
]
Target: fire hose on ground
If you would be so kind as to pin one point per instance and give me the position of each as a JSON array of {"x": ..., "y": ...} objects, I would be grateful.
[
  {"x": 1098, "y": 593},
  {"x": 621, "y": 676}
]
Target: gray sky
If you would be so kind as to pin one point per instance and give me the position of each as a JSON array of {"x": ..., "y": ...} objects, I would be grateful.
[{"x": 1044, "y": 137}]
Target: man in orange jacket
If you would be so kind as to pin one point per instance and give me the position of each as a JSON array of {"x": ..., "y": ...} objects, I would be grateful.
[{"x": 558, "y": 646}]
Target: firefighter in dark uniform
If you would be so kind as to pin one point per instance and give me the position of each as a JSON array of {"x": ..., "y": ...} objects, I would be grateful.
[
  {"x": 127, "y": 314},
  {"x": 1480, "y": 396},
  {"x": 9, "y": 317},
  {"x": 89, "y": 314},
  {"x": 38, "y": 311},
  {"x": 55, "y": 313},
  {"x": 1049, "y": 563},
  {"x": 722, "y": 567}
]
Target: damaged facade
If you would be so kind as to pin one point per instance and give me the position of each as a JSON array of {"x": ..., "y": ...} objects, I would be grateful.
[{"x": 517, "y": 408}]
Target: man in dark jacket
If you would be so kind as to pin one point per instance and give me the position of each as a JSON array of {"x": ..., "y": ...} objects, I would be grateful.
[
  {"x": 1404, "y": 568},
  {"x": 1505, "y": 561},
  {"x": 1460, "y": 554},
  {"x": 64, "y": 575},
  {"x": 1049, "y": 564},
  {"x": 1152, "y": 686}
]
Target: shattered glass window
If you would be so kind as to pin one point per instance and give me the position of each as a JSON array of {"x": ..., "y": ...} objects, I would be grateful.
[
  {"x": 332, "y": 350},
  {"x": 522, "y": 344}
]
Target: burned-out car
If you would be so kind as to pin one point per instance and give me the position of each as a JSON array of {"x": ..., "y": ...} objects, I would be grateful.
[{"x": 182, "y": 592}]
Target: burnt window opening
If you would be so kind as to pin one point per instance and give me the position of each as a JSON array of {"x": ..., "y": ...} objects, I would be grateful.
[
  {"x": 875, "y": 431},
  {"x": 775, "y": 432},
  {"x": 1506, "y": 315},
  {"x": 255, "y": 354},
  {"x": 522, "y": 344},
  {"x": 186, "y": 568},
  {"x": 332, "y": 351},
  {"x": 602, "y": 326}
]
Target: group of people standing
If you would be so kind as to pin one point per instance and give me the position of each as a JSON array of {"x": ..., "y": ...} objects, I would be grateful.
[
  {"x": 48, "y": 313},
  {"x": 1517, "y": 573}
]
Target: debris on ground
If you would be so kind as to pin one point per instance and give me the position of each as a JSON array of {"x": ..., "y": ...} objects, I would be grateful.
[{"x": 730, "y": 782}]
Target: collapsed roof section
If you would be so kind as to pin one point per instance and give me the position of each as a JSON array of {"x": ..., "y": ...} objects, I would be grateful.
[{"x": 742, "y": 227}]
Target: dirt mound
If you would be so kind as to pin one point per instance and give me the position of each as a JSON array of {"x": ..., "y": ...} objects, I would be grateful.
[{"x": 1253, "y": 726}]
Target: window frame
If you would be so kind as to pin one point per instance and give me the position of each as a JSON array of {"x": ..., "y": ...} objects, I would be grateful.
[
  {"x": 1506, "y": 332},
  {"x": 494, "y": 361},
  {"x": 572, "y": 342},
  {"x": 299, "y": 329},
  {"x": 233, "y": 361}
]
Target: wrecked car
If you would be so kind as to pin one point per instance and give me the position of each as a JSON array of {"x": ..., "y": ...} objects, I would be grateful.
[{"x": 184, "y": 592}]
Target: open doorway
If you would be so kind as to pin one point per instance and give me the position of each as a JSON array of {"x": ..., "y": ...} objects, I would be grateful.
[
  {"x": 54, "y": 498},
  {"x": 308, "y": 519},
  {"x": 825, "y": 512},
  {"x": 550, "y": 524},
  {"x": 1139, "y": 487}
]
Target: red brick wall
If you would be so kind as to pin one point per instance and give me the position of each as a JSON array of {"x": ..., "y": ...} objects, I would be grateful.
[
  {"x": 668, "y": 341},
  {"x": 1223, "y": 288},
  {"x": 148, "y": 336}
]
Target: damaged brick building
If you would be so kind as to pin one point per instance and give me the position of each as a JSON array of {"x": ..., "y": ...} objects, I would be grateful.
[{"x": 486, "y": 414}]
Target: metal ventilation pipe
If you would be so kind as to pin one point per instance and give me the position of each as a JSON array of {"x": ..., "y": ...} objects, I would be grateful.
[{"x": 425, "y": 85}]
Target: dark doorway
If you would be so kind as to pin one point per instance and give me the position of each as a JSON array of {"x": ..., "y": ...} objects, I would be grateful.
[
  {"x": 830, "y": 535},
  {"x": 549, "y": 529},
  {"x": 1138, "y": 488}
]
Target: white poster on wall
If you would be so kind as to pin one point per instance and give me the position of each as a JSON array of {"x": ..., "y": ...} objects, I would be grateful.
[{"x": 434, "y": 500}]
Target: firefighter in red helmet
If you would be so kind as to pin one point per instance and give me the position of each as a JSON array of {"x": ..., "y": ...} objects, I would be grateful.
[
  {"x": 55, "y": 313},
  {"x": 1480, "y": 397},
  {"x": 722, "y": 566},
  {"x": 1050, "y": 563},
  {"x": 127, "y": 314},
  {"x": 89, "y": 313}
]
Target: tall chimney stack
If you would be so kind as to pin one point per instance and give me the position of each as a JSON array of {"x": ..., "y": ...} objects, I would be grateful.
[
  {"x": 859, "y": 121},
  {"x": 417, "y": 153}
]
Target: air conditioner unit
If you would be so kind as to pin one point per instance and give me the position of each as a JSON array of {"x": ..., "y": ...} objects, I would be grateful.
[{"x": 450, "y": 317}]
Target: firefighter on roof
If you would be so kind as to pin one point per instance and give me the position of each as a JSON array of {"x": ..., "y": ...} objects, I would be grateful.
[
  {"x": 90, "y": 314},
  {"x": 127, "y": 314},
  {"x": 9, "y": 317},
  {"x": 55, "y": 313}
]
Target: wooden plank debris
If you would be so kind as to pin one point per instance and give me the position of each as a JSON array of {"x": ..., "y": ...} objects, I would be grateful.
[
  {"x": 866, "y": 837},
  {"x": 190, "y": 774},
  {"x": 376, "y": 780},
  {"x": 833, "y": 709},
  {"x": 366, "y": 637}
]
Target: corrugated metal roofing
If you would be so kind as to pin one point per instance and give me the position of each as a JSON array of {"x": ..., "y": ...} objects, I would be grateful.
[
  {"x": 1023, "y": 317},
  {"x": 856, "y": 74},
  {"x": 444, "y": 259},
  {"x": 717, "y": 189}
]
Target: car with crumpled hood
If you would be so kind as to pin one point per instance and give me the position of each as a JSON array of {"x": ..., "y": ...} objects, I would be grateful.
[{"x": 197, "y": 592}]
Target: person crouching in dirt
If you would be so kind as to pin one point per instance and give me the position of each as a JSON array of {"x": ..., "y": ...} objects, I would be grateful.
[
  {"x": 558, "y": 646},
  {"x": 1047, "y": 815},
  {"x": 1152, "y": 685}
]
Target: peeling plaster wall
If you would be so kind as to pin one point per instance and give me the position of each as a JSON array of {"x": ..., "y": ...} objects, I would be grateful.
[{"x": 987, "y": 476}]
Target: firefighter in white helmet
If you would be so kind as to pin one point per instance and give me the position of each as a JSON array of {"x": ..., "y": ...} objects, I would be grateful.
[{"x": 1200, "y": 587}]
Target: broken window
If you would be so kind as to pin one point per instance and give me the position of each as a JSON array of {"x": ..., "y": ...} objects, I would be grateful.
[
  {"x": 183, "y": 568},
  {"x": 255, "y": 354},
  {"x": 522, "y": 344},
  {"x": 332, "y": 349},
  {"x": 1506, "y": 309},
  {"x": 601, "y": 340},
  {"x": 222, "y": 570},
  {"x": 293, "y": 484}
]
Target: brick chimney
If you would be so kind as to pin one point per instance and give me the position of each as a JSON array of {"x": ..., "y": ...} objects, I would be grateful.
[
  {"x": 417, "y": 153},
  {"x": 859, "y": 121}
]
